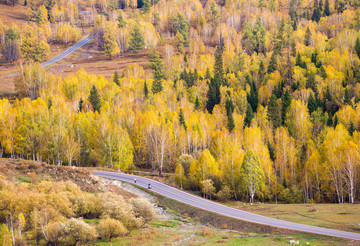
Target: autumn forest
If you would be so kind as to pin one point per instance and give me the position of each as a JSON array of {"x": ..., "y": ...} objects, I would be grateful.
[{"x": 247, "y": 100}]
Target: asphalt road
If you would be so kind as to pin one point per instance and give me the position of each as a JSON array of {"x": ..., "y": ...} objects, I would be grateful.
[
  {"x": 65, "y": 53},
  {"x": 208, "y": 205}
]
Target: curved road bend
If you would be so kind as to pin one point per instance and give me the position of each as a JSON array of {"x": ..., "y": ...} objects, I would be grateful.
[
  {"x": 65, "y": 53},
  {"x": 208, "y": 205}
]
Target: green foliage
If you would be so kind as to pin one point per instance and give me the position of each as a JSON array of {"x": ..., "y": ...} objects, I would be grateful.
[
  {"x": 253, "y": 38},
  {"x": 274, "y": 112},
  {"x": 95, "y": 99},
  {"x": 249, "y": 115},
  {"x": 273, "y": 63},
  {"x": 181, "y": 26},
  {"x": 327, "y": 8},
  {"x": 213, "y": 94},
  {"x": 5, "y": 236},
  {"x": 136, "y": 40},
  {"x": 357, "y": 47},
  {"x": 182, "y": 120},
  {"x": 116, "y": 78},
  {"x": 197, "y": 103},
  {"x": 253, "y": 177},
  {"x": 120, "y": 19},
  {"x": 286, "y": 101},
  {"x": 146, "y": 90},
  {"x": 307, "y": 36}
]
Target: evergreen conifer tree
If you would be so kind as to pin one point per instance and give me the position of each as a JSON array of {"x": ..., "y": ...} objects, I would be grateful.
[
  {"x": 94, "y": 99},
  {"x": 249, "y": 115},
  {"x": 80, "y": 105},
  {"x": 307, "y": 36},
  {"x": 197, "y": 102},
  {"x": 357, "y": 47},
  {"x": 351, "y": 128},
  {"x": 116, "y": 78},
  {"x": 347, "y": 96},
  {"x": 182, "y": 119},
  {"x": 273, "y": 63},
  {"x": 329, "y": 120},
  {"x": 146, "y": 90},
  {"x": 312, "y": 104},
  {"x": 286, "y": 101},
  {"x": 136, "y": 41},
  {"x": 336, "y": 121},
  {"x": 274, "y": 112},
  {"x": 327, "y": 8}
]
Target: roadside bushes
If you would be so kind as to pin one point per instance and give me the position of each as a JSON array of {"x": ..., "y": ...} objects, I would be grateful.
[
  {"x": 55, "y": 211},
  {"x": 109, "y": 228}
]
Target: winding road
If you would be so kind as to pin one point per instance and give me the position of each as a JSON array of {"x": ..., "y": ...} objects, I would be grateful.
[
  {"x": 65, "y": 53},
  {"x": 196, "y": 201}
]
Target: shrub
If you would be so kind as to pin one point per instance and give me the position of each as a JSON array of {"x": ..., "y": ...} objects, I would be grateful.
[
  {"x": 54, "y": 232},
  {"x": 109, "y": 228},
  {"x": 114, "y": 206},
  {"x": 77, "y": 231},
  {"x": 224, "y": 194},
  {"x": 142, "y": 208},
  {"x": 205, "y": 232}
]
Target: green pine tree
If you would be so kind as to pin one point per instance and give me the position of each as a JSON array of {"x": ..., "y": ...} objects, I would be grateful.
[
  {"x": 146, "y": 6},
  {"x": 312, "y": 104},
  {"x": 351, "y": 128},
  {"x": 213, "y": 94},
  {"x": 274, "y": 112},
  {"x": 197, "y": 102},
  {"x": 182, "y": 119},
  {"x": 286, "y": 101},
  {"x": 94, "y": 99},
  {"x": 49, "y": 103},
  {"x": 80, "y": 105},
  {"x": 157, "y": 66},
  {"x": 136, "y": 40},
  {"x": 249, "y": 115},
  {"x": 156, "y": 86},
  {"x": 327, "y": 8},
  {"x": 329, "y": 120},
  {"x": 219, "y": 66},
  {"x": 336, "y": 121},
  {"x": 357, "y": 47},
  {"x": 230, "y": 123},
  {"x": 347, "y": 96},
  {"x": 116, "y": 78},
  {"x": 307, "y": 36},
  {"x": 146, "y": 90},
  {"x": 273, "y": 63}
]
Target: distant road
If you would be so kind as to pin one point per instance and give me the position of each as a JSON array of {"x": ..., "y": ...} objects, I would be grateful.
[
  {"x": 65, "y": 53},
  {"x": 208, "y": 205}
]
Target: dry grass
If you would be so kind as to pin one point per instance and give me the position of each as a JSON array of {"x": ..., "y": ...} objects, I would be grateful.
[
  {"x": 13, "y": 15},
  {"x": 206, "y": 232},
  {"x": 335, "y": 216}
]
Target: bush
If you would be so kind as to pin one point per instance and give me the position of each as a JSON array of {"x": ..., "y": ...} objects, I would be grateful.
[
  {"x": 142, "y": 208},
  {"x": 224, "y": 194},
  {"x": 205, "y": 232},
  {"x": 114, "y": 206},
  {"x": 77, "y": 231},
  {"x": 109, "y": 228},
  {"x": 88, "y": 206},
  {"x": 54, "y": 232}
]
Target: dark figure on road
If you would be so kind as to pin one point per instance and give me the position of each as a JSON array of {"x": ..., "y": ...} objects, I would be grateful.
[
  {"x": 149, "y": 186},
  {"x": 135, "y": 180}
]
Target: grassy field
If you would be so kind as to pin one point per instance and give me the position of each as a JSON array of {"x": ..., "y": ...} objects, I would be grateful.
[
  {"x": 335, "y": 216},
  {"x": 178, "y": 232}
]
